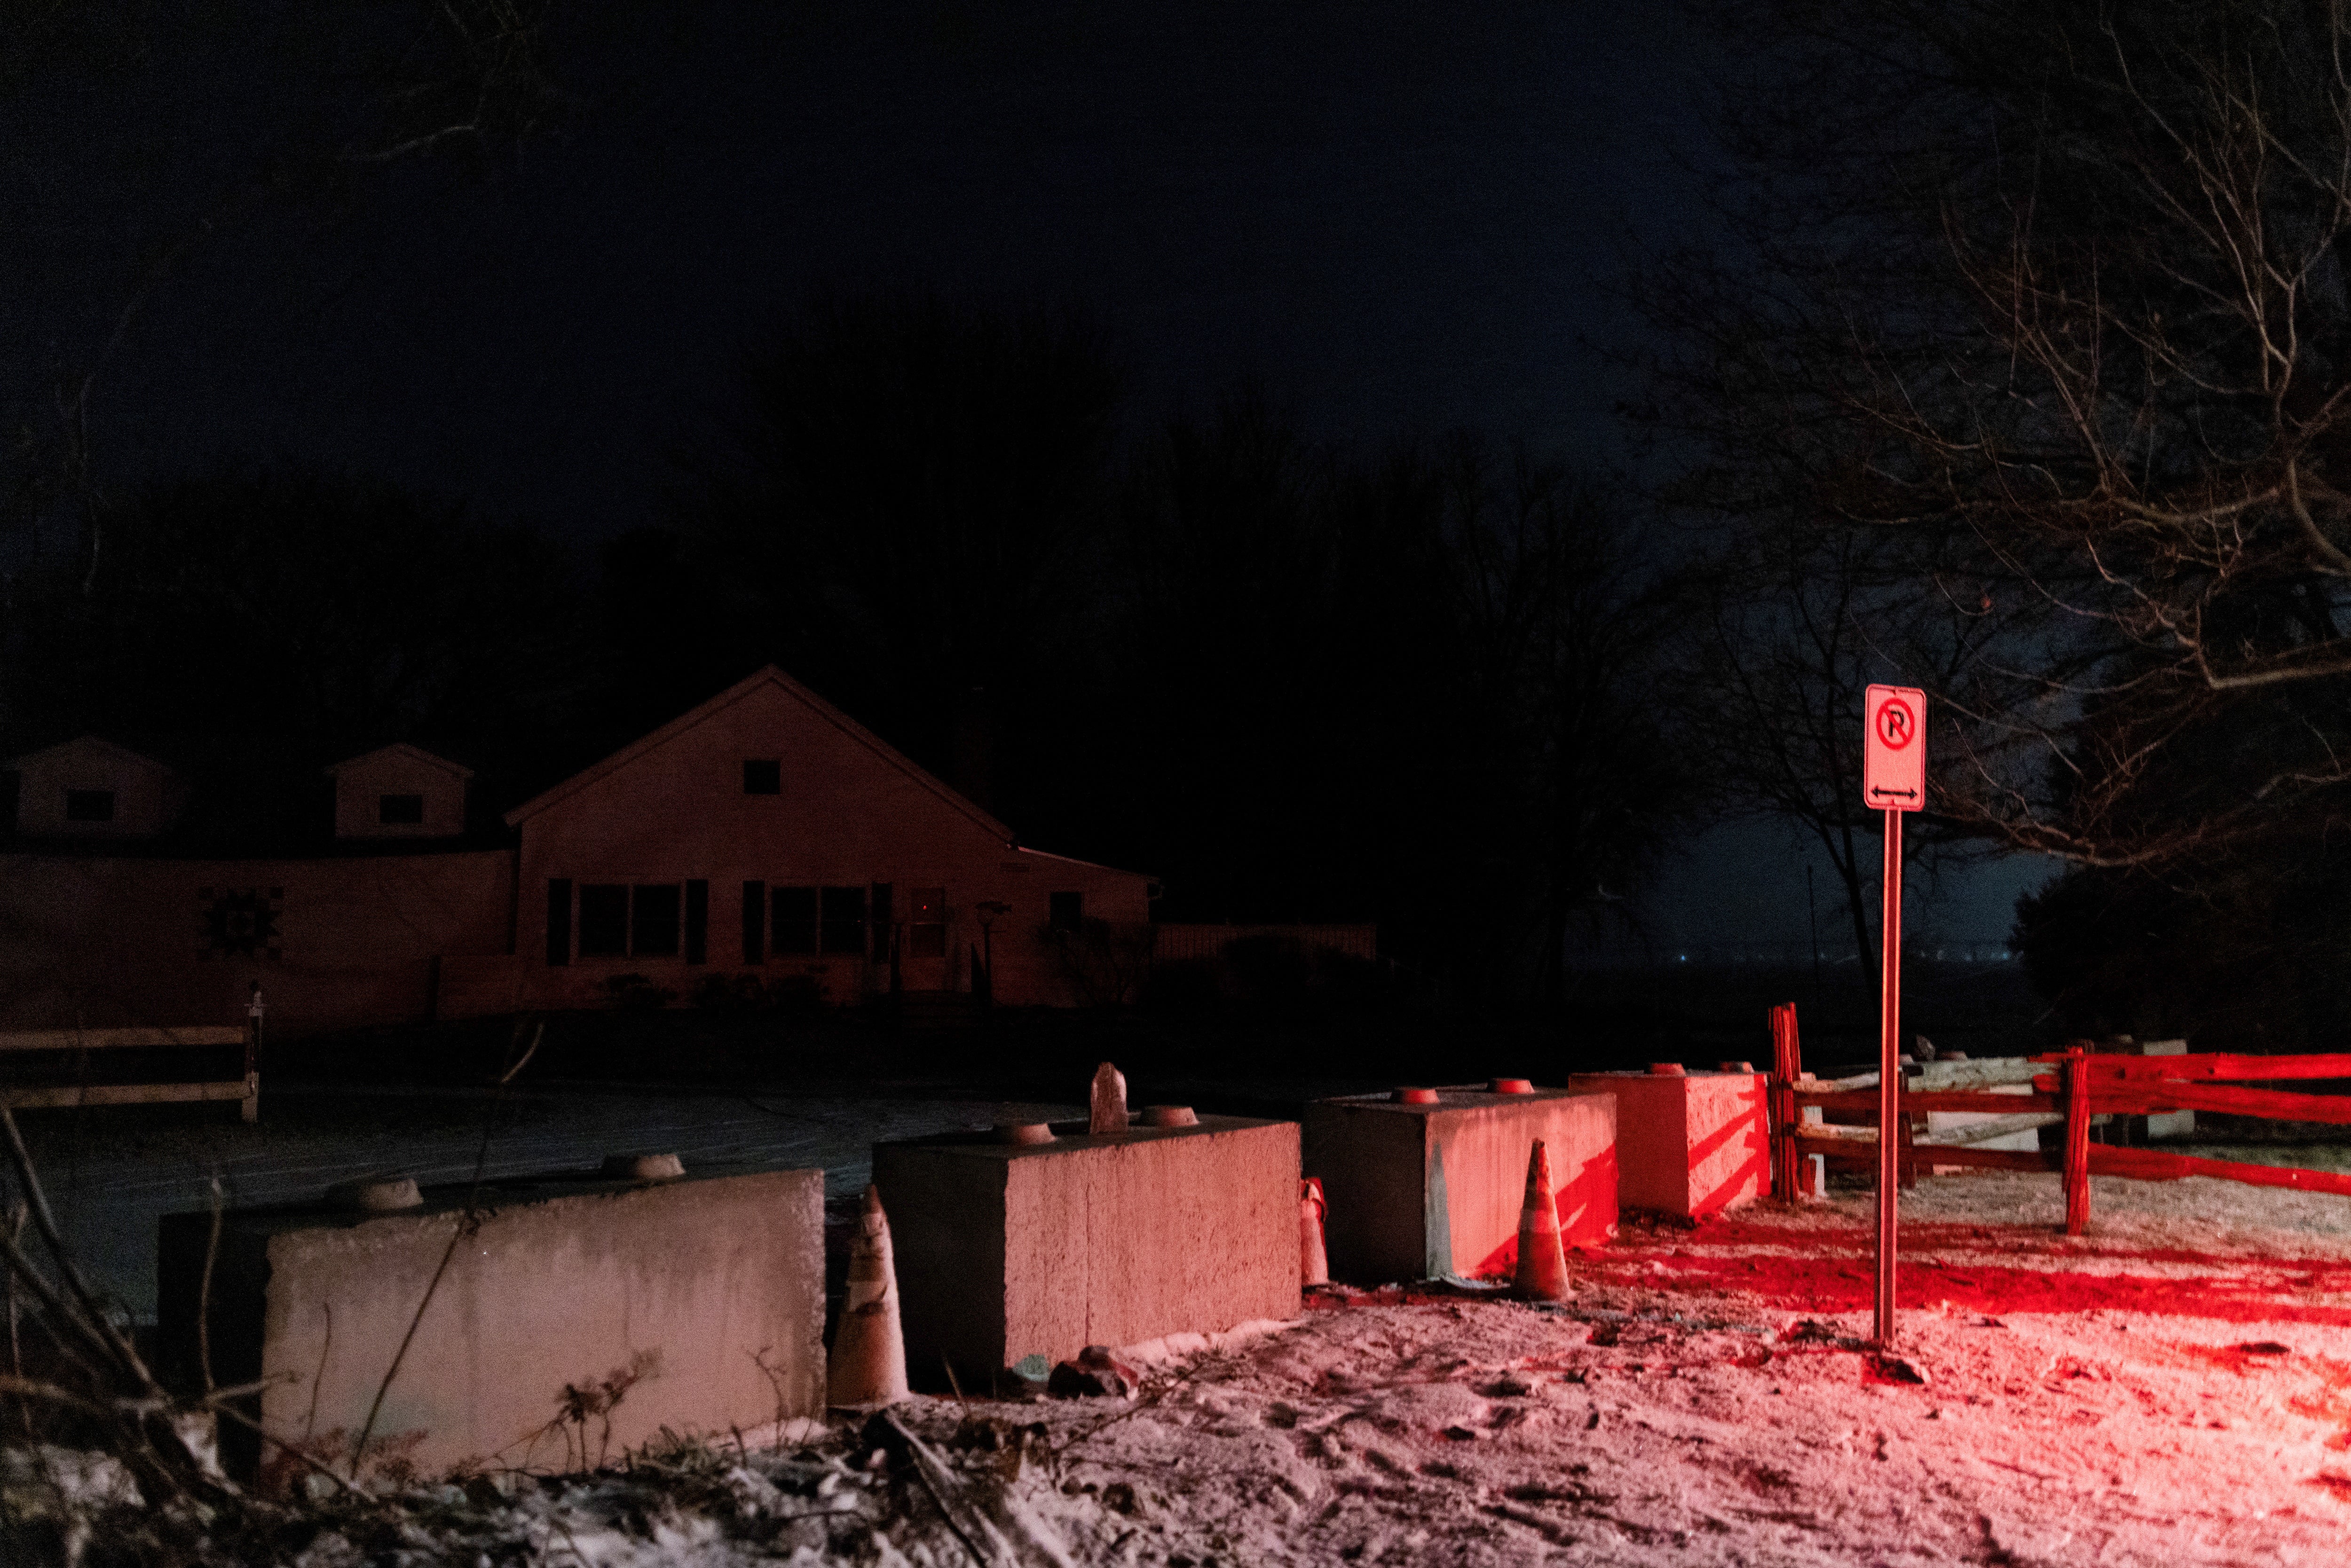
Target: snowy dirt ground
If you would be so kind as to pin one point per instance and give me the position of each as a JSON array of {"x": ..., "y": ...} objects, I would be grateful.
[{"x": 2174, "y": 1388}]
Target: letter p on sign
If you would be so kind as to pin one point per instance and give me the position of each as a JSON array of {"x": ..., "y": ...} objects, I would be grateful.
[{"x": 1893, "y": 749}]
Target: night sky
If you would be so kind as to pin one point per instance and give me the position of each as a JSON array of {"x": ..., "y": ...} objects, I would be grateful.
[{"x": 1395, "y": 217}]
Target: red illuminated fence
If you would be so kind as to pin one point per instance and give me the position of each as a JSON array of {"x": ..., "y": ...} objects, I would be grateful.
[{"x": 2025, "y": 1094}]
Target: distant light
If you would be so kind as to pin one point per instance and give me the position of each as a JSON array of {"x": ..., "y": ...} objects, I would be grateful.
[{"x": 1685, "y": 957}]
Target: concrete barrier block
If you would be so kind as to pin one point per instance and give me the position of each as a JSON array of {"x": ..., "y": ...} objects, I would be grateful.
[
  {"x": 1688, "y": 1145},
  {"x": 1420, "y": 1190},
  {"x": 1008, "y": 1250},
  {"x": 577, "y": 1319}
]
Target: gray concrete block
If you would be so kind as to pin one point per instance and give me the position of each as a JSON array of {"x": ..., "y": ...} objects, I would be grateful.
[
  {"x": 1419, "y": 1190},
  {"x": 1688, "y": 1145},
  {"x": 1010, "y": 1250},
  {"x": 577, "y": 1318}
]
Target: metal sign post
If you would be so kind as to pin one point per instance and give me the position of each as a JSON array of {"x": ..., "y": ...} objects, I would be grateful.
[{"x": 1894, "y": 781}]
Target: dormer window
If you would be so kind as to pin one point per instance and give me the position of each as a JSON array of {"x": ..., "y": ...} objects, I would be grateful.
[
  {"x": 399, "y": 791},
  {"x": 90, "y": 805},
  {"x": 762, "y": 775}
]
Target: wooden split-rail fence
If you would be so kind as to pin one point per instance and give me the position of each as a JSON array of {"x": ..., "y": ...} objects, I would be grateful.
[
  {"x": 61, "y": 1063},
  {"x": 2069, "y": 1089}
]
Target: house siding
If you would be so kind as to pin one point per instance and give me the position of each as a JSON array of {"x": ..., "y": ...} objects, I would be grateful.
[{"x": 849, "y": 815}]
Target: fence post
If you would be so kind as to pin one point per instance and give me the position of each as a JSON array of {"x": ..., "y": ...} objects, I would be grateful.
[
  {"x": 2077, "y": 1139},
  {"x": 1781, "y": 1101},
  {"x": 250, "y": 1109}
]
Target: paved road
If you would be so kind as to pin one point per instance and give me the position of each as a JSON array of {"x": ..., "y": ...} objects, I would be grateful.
[{"x": 111, "y": 1180}]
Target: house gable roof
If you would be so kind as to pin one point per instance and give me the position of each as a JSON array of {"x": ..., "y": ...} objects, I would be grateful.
[
  {"x": 759, "y": 680},
  {"x": 88, "y": 743},
  {"x": 398, "y": 748}
]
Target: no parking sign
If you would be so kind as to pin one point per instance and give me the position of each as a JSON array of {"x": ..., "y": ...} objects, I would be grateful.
[
  {"x": 1893, "y": 749},
  {"x": 1892, "y": 780}
]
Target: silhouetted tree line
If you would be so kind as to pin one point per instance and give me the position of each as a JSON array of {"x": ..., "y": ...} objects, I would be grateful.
[{"x": 1290, "y": 681}]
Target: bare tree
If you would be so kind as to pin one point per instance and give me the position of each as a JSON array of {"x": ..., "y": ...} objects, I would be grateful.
[
  {"x": 2052, "y": 301},
  {"x": 371, "y": 83}
]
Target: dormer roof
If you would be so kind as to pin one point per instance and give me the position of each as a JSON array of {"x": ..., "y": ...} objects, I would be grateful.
[
  {"x": 400, "y": 749},
  {"x": 85, "y": 746}
]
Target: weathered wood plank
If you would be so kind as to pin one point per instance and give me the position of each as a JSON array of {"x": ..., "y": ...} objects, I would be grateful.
[
  {"x": 2000, "y": 1127},
  {"x": 94, "y": 1039},
  {"x": 1936, "y": 1100},
  {"x": 1854, "y": 1155},
  {"x": 30, "y": 1098}
]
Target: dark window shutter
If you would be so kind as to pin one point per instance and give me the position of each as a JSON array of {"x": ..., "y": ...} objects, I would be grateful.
[
  {"x": 698, "y": 922},
  {"x": 559, "y": 920},
  {"x": 754, "y": 921}
]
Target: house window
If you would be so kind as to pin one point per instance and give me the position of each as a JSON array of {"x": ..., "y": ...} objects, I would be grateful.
[
  {"x": 762, "y": 775},
  {"x": 843, "y": 932},
  {"x": 559, "y": 920},
  {"x": 927, "y": 928},
  {"x": 90, "y": 805},
  {"x": 400, "y": 808},
  {"x": 1065, "y": 911},
  {"x": 604, "y": 920},
  {"x": 754, "y": 921},
  {"x": 652, "y": 920},
  {"x": 794, "y": 932}
]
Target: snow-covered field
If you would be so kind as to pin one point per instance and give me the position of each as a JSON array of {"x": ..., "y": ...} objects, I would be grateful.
[{"x": 111, "y": 1177}]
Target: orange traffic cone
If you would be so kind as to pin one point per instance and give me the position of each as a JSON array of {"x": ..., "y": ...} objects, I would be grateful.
[
  {"x": 1543, "y": 1260},
  {"x": 1313, "y": 1262},
  {"x": 869, "y": 1354}
]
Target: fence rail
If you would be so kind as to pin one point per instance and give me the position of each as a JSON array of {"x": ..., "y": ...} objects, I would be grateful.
[{"x": 2074, "y": 1089}]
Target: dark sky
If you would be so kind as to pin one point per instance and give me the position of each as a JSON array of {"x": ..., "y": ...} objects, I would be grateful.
[{"x": 1395, "y": 215}]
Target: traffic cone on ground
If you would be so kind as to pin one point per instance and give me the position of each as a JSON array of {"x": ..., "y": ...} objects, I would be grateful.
[
  {"x": 1313, "y": 1261},
  {"x": 869, "y": 1352},
  {"x": 1542, "y": 1259}
]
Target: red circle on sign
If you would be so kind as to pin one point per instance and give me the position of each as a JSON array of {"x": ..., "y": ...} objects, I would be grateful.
[{"x": 1897, "y": 727}]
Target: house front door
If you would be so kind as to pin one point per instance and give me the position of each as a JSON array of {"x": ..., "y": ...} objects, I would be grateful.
[{"x": 924, "y": 954}]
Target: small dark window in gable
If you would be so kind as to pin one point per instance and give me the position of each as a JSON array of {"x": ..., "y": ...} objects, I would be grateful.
[
  {"x": 762, "y": 775},
  {"x": 1065, "y": 911},
  {"x": 11, "y": 781},
  {"x": 90, "y": 805},
  {"x": 400, "y": 809}
]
